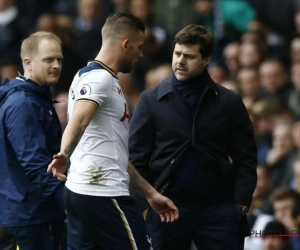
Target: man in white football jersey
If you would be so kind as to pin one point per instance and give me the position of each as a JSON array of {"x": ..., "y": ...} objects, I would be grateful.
[{"x": 101, "y": 213}]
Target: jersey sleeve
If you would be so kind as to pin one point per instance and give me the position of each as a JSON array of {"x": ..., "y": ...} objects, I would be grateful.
[{"x": 95, "y": 86}]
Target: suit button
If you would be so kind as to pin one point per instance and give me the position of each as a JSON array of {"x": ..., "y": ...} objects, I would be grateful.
[{"x": 172, "y": 161}]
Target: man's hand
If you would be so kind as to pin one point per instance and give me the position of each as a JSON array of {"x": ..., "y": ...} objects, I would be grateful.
[
  {"x": 58, "y": 166},
  {"x": 273, "y": 156},
  {"x": 166, "y": 209},
  {"x": 289, "y": 222}
]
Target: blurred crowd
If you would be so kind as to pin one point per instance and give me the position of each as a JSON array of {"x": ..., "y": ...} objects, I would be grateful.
[{"x": 257, "y": 54}]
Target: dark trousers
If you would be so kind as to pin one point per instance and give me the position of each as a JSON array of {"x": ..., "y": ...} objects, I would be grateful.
[
  {"x": 211, "y": 226},
  {"x": 37, "y": 237},
  {"x": 104, "y": 223}
]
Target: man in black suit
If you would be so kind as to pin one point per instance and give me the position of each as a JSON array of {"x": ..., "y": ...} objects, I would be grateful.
[{"x": 193, "y": 140}]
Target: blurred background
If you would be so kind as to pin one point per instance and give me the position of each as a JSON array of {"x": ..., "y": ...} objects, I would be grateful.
[{"x": 257, "y": 54}]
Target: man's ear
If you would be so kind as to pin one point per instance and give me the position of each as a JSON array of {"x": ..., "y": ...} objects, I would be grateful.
[
  {"x": 125, "y": 44},
  {"x": 27, "y": 63},
  {"x": 206, "y": 61}
]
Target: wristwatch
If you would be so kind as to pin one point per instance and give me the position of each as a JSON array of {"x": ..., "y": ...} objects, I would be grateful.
[{"x": 242, "y": 209}]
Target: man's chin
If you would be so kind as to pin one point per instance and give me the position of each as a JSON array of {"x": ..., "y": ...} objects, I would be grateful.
[
  {"x": 126, "y": 70},
  {"x": 52, "y": 82},
  {"x": 181, "y": 77}
]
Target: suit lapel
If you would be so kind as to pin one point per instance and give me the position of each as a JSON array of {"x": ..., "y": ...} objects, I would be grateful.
[
  {"x": 180, "y": 107},
  {"x": 177, "y": 104}
]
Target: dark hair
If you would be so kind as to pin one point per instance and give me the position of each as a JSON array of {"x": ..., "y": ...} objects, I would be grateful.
[
  {"x": 197, "y": 34},
  {"x": 285, "y": 193},
  {"x": 273, "y": 228},
  {"x": 296, "y": 210},
  {"x": 9, "y": 60},
  {"x": 120, "y": 23}
]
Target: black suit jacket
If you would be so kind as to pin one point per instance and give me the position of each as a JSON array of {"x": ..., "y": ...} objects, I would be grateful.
[{"x": 220, "y": 130}]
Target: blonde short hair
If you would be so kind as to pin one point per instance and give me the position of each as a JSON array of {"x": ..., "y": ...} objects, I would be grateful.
[{"x": 30, "y": 44}]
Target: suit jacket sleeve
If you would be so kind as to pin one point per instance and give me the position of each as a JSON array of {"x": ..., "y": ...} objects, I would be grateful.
[
  {"x": 243, "y": 153},
  {"x": 141, "y": 137}
]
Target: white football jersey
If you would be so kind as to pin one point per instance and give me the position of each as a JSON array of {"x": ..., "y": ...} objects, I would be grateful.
[{"x": 100, "y": 161}]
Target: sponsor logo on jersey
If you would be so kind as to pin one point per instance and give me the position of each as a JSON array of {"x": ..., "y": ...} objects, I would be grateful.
[
  {"x": 119, "y": 91},
  {"x": 85, "y": 90}
]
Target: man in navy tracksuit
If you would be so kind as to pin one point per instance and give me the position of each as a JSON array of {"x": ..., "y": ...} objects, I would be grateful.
[
  {"x": 30, "y": 134},
  {"x": 193, "y": 140}
]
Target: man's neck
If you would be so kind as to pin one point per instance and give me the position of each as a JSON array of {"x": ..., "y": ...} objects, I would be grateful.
[
  {"x": 107, "y": 57},
  {"x": 27, "y": 77}
]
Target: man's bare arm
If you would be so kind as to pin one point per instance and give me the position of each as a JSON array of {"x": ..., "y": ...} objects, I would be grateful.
[
  {"x": 138, "y": 183},
  {"x": 81, "y": 117},
  {"x": 166, "y": 209}
]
